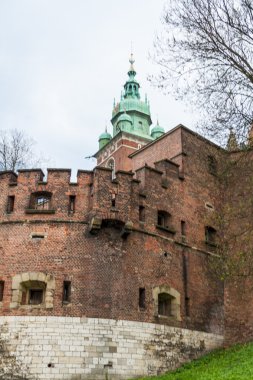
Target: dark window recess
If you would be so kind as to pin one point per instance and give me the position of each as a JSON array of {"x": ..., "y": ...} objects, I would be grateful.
[
  {"x": 113, "y": 200},
  {"x": 66, "y": 291},
  {"x": 212, "y": 164},
  {"x": 72, "y": 204},
  {"x": 38, "y": 236},
  {"x": 210, "y": 235},
  {"x": 183, "y": 228},
  {"x": 10, "y": 204},
  {"x": 35, "y": 296},
  {"x": 142, "y": 298},
  {"x": 187, "y": 306},
  {"x": 1, "y": 290},
  {"x": 164, "y": 304},
  {"x": 163, "y": 219},
  {"x": 141, "y": 213}
]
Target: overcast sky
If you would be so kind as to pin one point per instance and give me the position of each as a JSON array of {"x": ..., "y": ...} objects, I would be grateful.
[{"x": 62, "y": 62}]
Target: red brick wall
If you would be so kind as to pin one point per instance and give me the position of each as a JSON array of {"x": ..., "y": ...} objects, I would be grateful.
[{"x": 107, "y": 270}]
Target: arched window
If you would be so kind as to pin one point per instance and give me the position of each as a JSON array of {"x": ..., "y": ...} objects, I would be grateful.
[
  {"x": 166, "y": 302},
  {"x": 32, "y": 289}
]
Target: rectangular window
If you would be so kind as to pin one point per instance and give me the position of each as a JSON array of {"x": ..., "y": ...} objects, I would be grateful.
[
  {"x": 142, "y": 296},
  {"x": 66, "y": 291},
  {"x": 42, "y": 202},
  {"x": 35, "y": 296},
  {"x": 164, "y": 304},
  {"x": 183, "y": 229},
  {"x": 72, "y": 204},
  {"x": 1, "y": 290},
  {"x": 141, "y": 213},
  {"x": 187, "y": 306},
  {"x": 10, "y": 204},
  {"x": 163, "y": 219},
  {"x": 113, "y": 200},
  {"x": 210, "y": 234},
  {"x": 212, "y": 164}
]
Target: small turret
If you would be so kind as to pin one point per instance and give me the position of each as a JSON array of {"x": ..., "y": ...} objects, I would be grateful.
[
  {"x": 157, "y": 131},
  {"x": 124, "y": 123},
  {"x": 104, "y": 139}
]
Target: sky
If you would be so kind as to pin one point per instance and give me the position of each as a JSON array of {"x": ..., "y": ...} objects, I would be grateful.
[{"x": 62, "y": 62}]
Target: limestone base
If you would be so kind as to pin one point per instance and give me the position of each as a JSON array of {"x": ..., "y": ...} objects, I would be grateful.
[{"x": 40, "y": 348}]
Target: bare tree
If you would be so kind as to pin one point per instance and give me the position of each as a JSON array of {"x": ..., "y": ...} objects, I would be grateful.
[
  {"x": 16, "y": 150},
  {"x": 206, "y": 53}
]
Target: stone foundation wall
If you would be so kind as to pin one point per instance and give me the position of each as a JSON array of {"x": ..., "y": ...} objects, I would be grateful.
[{"x": 94, "y": 349}]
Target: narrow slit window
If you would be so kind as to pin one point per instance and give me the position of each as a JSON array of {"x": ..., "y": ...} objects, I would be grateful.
[
  {"x": 187, "y": 306},
  {"x": 10, "y": 204},
  {"x": 141, "y": 213},
  {"x": 142, "y": 298},
  {"x": 66, "y": 291},
  {"x": 113, "y": 200},
  {"x": 72, "y": 204},
  {"x": 212, "y": 164},
  {"x": 183, "y": 228},
  {"x": 1, "y": 290}
]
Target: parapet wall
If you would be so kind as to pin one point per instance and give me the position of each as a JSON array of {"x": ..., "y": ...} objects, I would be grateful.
[{"x": 40, "y": 348}]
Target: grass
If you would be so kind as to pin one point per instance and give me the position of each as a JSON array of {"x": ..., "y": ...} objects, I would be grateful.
[{"x": 235, "y": 363}]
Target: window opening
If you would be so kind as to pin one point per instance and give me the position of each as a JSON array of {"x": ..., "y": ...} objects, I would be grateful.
[
  {"x": 38, "y": 236},
  {"x": 210, "y": 234},
  {"x": 35, "y": 296},
  {"x": 66, "y": 291},
  {"x": 164, "y": 304},
  {"x": 163, "y": 219},
  {"x": 41, "y": 201},
  {"x": 113, "y": 200},
  {"x": 141, "y": 213},
  {"x": 183, "y": 228},
  {"x": 212, "y": 165},
  {"x": 10, "y": 204},
  {"x": 187, "y": 306},
  {"x": 1, "y": 290},
  {"x": 72, "y": 203},
  {"x": 142, "y": 296}
]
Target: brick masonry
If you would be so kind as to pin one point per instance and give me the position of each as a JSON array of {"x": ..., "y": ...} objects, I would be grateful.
[
  {"x": 40, "y": 348},
  {"x": 109, "y": 254}
]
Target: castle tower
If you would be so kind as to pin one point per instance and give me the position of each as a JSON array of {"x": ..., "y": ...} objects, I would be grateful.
[{"x": 131, "y": 121}]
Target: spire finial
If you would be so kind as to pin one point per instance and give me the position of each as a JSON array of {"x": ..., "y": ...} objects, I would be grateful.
[{"x": 131, "y": 59}]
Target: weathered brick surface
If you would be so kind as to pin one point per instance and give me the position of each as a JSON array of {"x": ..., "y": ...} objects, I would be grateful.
[
  {"x": 107, "y": 270},
  {"x": 105, "y": 250}
]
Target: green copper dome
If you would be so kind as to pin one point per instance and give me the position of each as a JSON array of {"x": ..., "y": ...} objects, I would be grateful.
[
  {"x": 125, "y": 117},
  {"x": 157, "y": 131},
  {"x": 124, "y": 123},
  {"x": 132, "y": 105},
  {"x": 104, "y": 139}
]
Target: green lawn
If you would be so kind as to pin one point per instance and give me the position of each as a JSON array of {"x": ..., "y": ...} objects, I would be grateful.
[{"x": 235, "y": 363}]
